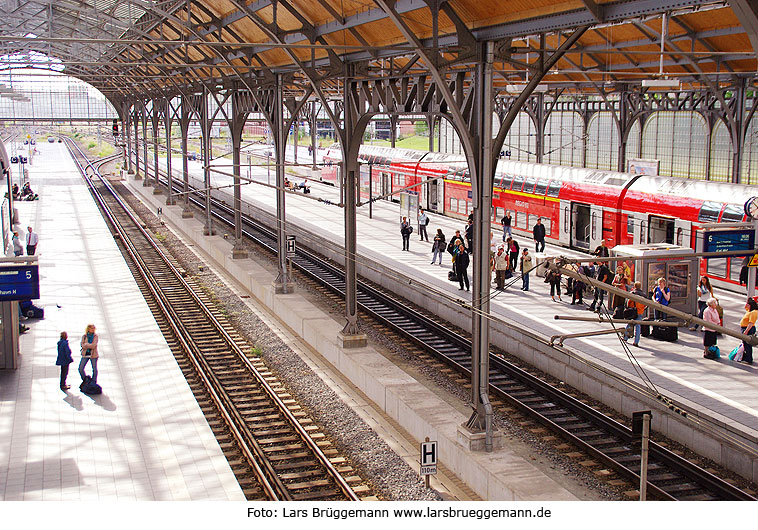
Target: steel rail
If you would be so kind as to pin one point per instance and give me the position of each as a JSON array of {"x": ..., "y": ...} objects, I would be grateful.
[
  {"x": 424, "y": 332},
  {"x": 205, "y": 370}
]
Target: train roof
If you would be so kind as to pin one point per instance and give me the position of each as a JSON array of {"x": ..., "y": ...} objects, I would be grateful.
[{"x": 724, "y": 192}]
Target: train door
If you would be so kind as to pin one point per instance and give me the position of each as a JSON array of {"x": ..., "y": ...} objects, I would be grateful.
[
  {"x": 661, "y": 230},
  {"x": 596, "y": 226},
  {"x": 638, "y": 226},
  {"x": 386, "y": 188},
  {"x": 434, "y": 195},
  {"x": 564, "y": 223},
  {"x": 683, "y": 233},
  {"x": 580, "y": 225}
]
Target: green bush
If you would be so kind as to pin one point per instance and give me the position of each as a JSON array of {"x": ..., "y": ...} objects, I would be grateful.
[{"x": 91, "y": 145}]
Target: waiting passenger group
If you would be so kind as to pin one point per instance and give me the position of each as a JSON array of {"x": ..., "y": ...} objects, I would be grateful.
[{"x": 507, "y": 260}]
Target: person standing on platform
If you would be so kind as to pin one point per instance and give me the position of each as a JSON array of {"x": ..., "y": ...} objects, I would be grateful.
[
  {"x": 640, "y": 309},
  {"x": 438, "y": 247},
  {"x": 470, "y": 236},
  {"x": 554, "y": 279},
  {"x": 506, "y": 220},
  {"x": 603, "y": 275},
  {"x": 502, "y": 266},
  {"x": 710, "y": 314},
  {"x": 747, "y": 325},
  {"x": 461, "y": 267},
  {"x": 662, "y": 295},
  {"x": 423, "y": 220},
  {"x": 704, "y": 293},
  {"x": 89, "y": 351},
  {"x": 526, "y": 268},
  {"x": 406, "y": 230},
  {"x": 64, "y": 359},
  {"x": 18, "y": 248},
  {"x": 539, "y": 236},
  {"x": 577, "y": 288},
  {"x": 513, "y": 250},
  {"x": 31, "y": 241},
  {"x": 601, "y": 251}
]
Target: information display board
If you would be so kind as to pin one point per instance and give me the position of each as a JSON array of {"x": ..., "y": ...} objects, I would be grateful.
[
  {"x": 19, "y": 283},
  {"x": 729, "y": 240}
]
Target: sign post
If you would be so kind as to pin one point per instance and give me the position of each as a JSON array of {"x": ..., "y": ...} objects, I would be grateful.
[
  {"x": 291, "y": 251},
  {"x": 641, "y": 427},
  {"x": 19, "y": 283},
  {"x": 428, "y": 459}
]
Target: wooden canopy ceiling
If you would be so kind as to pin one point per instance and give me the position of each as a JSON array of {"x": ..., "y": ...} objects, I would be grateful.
[{"x": 136, "y": 49}]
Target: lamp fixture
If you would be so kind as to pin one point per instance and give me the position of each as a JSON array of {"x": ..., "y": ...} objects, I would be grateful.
[
  {"x": 517, "y": 89},
  {"x": 661, "y": 80}
]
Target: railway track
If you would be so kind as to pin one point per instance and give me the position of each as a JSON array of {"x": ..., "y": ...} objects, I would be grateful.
[
  {"x": 277, "y": 453},
  {"x": 610, "y": 443}
]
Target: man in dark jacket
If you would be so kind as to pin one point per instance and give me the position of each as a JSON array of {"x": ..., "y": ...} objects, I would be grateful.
[
  {"x": 461, "y": 266},
  {"x": 470, "y": 236},
  {"x": 604, "y": 275},
  {"x": 539, "y": 236}
]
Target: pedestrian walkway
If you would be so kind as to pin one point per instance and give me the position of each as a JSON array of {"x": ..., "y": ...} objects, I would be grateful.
[{"x": 145, "y": 437}]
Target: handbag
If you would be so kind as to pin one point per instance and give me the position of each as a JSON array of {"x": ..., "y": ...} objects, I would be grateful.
[{"x": 736, "y": 354}]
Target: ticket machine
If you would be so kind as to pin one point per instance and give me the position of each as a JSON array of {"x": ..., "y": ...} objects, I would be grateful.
[{"x": 675, "y": 264}]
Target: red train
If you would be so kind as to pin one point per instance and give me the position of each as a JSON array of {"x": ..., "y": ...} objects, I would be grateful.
[{"x": 579, "y": 207}]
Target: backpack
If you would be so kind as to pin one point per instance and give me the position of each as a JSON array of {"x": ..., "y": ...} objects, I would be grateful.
[
  {"x": 426, "y": 222},
  {"x": 89, "y": 387},
  {"x": 713, "y": 353}
]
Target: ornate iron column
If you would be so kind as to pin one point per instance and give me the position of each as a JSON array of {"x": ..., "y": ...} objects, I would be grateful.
[
  {"x": 184, "y": 125},
  {"x": 236, "y": 128},
  {"x": 136, "y": 120},
  {"x": 155, "y": 120},
  {"x": 482, "y": 183},
  {"x": 169, "y": 171},
  {"x": 206, "y": 132},
  {"x": 283, "y": 282},
  {"x": 146, "y": 181}
]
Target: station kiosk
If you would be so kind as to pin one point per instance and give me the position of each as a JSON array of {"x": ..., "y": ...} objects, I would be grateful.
[{"x": 675, "y": 264}]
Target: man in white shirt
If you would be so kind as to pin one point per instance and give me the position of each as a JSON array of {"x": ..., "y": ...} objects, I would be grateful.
[{"x": 31, "y": 241}]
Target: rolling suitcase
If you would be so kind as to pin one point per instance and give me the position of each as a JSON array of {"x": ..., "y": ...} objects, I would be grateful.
[
  {"x": 645, "y": 328},
  {"x": 666, "y": 333},
  {"x": 452, "y": 276}
]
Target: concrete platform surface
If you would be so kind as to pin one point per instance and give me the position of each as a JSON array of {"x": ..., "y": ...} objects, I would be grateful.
[{"x": 145, "y": 437}]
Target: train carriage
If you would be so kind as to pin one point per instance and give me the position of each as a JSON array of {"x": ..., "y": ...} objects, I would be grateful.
[{"x": 579, "y": 207}]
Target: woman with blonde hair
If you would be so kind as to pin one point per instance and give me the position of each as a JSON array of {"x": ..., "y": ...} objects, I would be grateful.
[{"x": 89, "y": 351}]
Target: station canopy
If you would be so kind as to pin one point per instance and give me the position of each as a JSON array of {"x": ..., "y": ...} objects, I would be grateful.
[{"x": 138, "y": 48}]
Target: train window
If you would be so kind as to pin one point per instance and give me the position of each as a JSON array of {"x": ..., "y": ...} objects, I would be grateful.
[
  {"x": 548, "y": 225},
  {"x": 466, "y": 176},
  {"x": 499, "y": 214},
  {"x": 529, "y": 185},
  {"x": 565, "y": 219},
  {"x": 553, "y": 188},
  {"x": 541, "y": 187},
  {"x": 523, "y": 222},
  {"x": 458, "y": 175},
  {"x": 506, "y": 181},
  {"x": 453, "y": 205},
  {"x": 732, "y": 214},
  {"x": 518, "y": 182},
  {"x": 630, "y": 225},
  {"x": 709, "y": 212},
  {"x": 469, "y": 208}
]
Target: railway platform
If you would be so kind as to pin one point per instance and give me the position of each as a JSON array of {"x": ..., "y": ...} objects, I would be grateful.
[
  {"x": 144, "y": 437},
  {"x": 719, "y": 397}
]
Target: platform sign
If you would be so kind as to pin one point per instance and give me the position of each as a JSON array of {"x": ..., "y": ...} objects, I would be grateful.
[
  {"x": 19, "y": 283},
  {"x": 729, "y": 240},
  {"x": 291, "y": 248},
  {"x": 428, "y": 458}
]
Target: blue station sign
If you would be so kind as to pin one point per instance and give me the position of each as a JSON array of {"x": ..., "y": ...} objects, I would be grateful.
[
  {"x": 729, "y": 240},
  {"x": 19, "y": 283}
]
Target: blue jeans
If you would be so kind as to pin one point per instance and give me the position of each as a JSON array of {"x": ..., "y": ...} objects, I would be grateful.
[
  {"x": 83, "y": 363},
  {"x": 437, "y": 252},
  {"x": 506, "y": 232},
  {"x": 525, "y": 281},
  {"x": 637, "y": 330}
]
